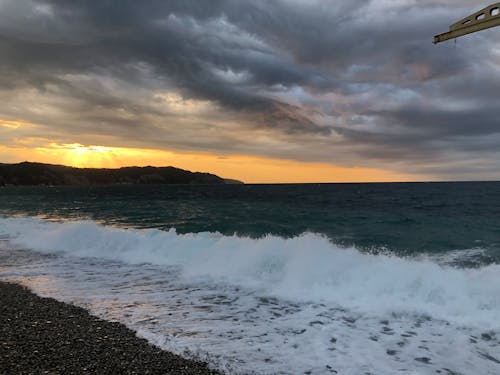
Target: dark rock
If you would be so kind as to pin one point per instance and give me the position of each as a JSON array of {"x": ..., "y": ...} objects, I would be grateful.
[{"x": 425, "y": 360}]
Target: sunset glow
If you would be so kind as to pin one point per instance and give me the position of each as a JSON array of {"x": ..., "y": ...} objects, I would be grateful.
[
  {"x": 263, "y": 187},
  {"x": 220, "y": 89},
  {"x": 13, "y": 124},
  {"x": 249, "y": 169}
]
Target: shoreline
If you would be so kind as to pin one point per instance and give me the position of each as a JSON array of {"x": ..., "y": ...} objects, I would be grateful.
[{"x": 42, "y": 335}]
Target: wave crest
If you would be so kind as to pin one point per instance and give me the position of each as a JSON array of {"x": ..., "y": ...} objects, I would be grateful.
[{"x": 308, "y": 268}]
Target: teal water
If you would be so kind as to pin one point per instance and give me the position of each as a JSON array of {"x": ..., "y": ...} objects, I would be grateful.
[
  {"x": 275, "y": 279},
  {"x": 407, "y": 218}
]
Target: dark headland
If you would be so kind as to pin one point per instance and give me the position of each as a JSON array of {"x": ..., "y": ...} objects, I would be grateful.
[
  {"x": 44, "y": 336},
  {"x": 27, "y": 173}
]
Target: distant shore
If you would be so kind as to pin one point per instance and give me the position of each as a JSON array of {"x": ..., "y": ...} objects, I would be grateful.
[
  {"x": 39, "y": 174},
  {"x": 42, "y": 335}
]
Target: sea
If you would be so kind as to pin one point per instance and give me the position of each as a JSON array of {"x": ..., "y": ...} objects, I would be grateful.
[{"x": 275, "y": 279}]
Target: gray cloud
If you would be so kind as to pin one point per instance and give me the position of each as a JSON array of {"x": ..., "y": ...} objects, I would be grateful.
[{"x": 354, "y": 83}]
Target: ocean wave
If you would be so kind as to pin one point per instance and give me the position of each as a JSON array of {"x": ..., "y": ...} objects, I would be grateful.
[{"x": 307, "y": 268}]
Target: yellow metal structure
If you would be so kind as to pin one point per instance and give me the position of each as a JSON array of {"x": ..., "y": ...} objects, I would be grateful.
[{"x": 484, "y": 19}]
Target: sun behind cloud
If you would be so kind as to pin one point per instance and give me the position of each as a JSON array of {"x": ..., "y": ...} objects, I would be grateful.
[
  {"x": 250, "y": 169},
  {"x": 81, "y": 156}
]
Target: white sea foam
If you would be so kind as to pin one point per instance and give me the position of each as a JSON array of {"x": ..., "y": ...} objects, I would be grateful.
[
  {"x": 308, "y": 268},
  {"x": 270, "y": 304}
]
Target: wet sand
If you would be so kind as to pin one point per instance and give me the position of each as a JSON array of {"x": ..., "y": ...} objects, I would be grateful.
[{"x": 44, "y": 336}]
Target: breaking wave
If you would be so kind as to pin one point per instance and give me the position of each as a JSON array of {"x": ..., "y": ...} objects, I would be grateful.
[{"x": 308, "y": 268}]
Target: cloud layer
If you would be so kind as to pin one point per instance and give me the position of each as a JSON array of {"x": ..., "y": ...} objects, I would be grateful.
[{"x": 353, "y": 83}]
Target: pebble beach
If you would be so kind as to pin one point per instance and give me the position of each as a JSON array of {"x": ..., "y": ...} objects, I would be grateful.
[{"x": 44, "y": 336}]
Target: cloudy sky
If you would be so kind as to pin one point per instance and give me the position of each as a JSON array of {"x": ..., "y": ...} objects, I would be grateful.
[{"x": 259, "y": 90}]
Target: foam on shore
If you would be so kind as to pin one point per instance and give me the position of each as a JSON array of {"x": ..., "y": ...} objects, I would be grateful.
[
  {"x": 308, "y": 268},
  {"x": 269, "y": 305}
]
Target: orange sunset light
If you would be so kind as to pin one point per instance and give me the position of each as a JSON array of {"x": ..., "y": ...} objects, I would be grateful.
[
  {"x": 14, "y": 124},
  {"x": 250, "y": 169}
]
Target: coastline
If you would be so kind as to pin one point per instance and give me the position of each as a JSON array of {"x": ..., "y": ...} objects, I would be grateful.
[{"x": 42, "y": 335}]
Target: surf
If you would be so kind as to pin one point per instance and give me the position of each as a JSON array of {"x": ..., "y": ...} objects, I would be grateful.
[{"x": 308, "y": 268}]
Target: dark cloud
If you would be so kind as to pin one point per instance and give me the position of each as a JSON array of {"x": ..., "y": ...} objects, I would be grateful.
[{"x": 354, "y": 83}]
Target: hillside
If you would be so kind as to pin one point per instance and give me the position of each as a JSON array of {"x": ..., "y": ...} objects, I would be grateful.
[{"x": 27, "y": 173}]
